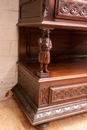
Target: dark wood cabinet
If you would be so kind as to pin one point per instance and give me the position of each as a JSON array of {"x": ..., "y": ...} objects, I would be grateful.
[{"x": 62, "y": 91}]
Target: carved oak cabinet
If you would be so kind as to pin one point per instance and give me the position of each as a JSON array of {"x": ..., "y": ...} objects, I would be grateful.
[{"x": 62, "y": 91}]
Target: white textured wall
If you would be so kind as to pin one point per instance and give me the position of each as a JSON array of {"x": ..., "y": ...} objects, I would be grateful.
[{"x": 8, "y": 45}]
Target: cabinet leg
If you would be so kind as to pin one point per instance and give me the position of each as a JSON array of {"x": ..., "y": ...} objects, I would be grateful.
[{"x": 42, "y": 126}]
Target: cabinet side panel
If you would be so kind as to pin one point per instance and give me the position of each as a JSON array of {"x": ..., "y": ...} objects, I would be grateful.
[
  {"x": 30, "y": 10},
  {"x": 28, "y": 84}
]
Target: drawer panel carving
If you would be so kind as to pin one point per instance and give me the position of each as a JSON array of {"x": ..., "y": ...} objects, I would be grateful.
[
  {"x": 44, "y": 96},
  {"x": 71, "y": 9},
  {"x": 69, "y": 92}
]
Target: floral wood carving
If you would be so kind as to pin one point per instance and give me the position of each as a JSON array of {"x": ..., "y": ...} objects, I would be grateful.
[
  {"x": 72, "y": 92},
  {"x": 72, "y": 8},
  {"x": 61, "y": 111},
  {"x": 44, "y": 96}
]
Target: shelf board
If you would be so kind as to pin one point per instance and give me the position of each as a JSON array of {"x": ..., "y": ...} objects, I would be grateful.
[{"x": 77, "y": 25}]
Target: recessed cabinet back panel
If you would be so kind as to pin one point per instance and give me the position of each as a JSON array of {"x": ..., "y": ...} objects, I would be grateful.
[{"x": 66, "y": 43}]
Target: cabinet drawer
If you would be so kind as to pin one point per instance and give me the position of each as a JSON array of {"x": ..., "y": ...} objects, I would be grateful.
[
  {"x": 71, "y": 9},
  {"x": 68, "y": 93}
]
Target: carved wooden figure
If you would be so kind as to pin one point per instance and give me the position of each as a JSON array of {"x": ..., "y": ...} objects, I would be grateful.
[{"x": 45, "y": 45}]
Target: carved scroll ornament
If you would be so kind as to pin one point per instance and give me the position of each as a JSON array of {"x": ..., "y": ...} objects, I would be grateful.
[
  {"x": 61, "y": 94},
  {"x": 45, "y": 7}
]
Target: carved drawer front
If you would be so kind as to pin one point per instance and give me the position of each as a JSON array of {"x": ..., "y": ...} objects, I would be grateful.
[
  {"x": 68, "y": 93},
  {"x": 71, "y": 9}
]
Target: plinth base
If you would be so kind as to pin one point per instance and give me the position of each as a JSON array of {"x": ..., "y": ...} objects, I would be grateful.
[
  {"x": 47, "y": 114},
  {"x": 42, "y": 74}
]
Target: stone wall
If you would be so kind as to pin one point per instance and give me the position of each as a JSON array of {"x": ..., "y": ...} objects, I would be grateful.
[{"x": 8, "y": 45}]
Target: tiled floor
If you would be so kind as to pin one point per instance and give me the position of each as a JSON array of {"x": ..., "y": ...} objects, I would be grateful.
[{"x": 12, "y": 118}]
